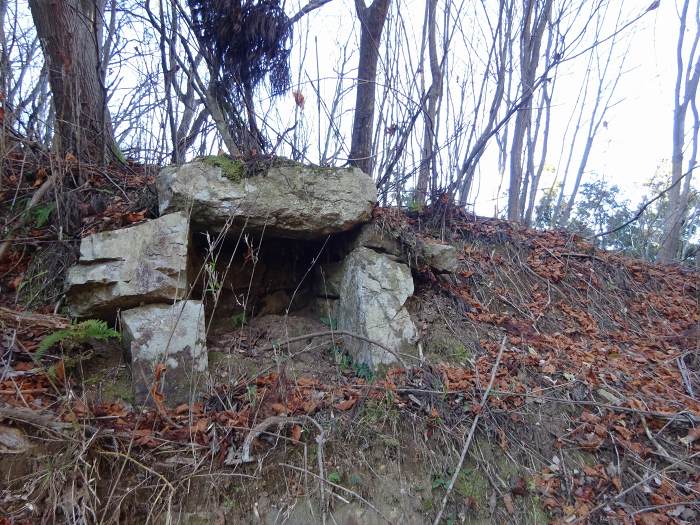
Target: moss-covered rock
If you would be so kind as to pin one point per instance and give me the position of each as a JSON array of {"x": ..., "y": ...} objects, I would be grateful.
[
  {"x": 233, "y": 169},
  {"x": 288, "y": 201}
]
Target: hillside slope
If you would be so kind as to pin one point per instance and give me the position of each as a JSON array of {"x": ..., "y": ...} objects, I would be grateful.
[{"x": 567, "y": 378}]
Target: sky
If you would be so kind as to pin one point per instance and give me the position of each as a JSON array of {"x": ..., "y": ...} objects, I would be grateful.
[
  {"x": 627, "y": 152},
  {"x": 638, "y": 134}
]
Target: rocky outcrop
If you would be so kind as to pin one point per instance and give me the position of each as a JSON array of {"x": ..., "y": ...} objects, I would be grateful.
[
  {"x": 173, "y": 335},
  {"x": 373, "y": 293},
  {"x": 120, "y": 269},
  {"x": 373, "y": 236},
  {"x": 289, "y": 201},
  {"x": 440, "y": 257}
]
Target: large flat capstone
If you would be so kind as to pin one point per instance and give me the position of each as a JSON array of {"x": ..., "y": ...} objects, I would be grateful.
[
  {"x": 291, "y": 201},
  {"x": 173, "y": 335},
  {"x": 373, "y": 292},
  {"x": 120, "y": 269}
]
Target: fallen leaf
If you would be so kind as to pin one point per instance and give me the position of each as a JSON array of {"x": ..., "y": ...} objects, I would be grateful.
[
  {"x": 279, "y": 408},
  {"x": 40, "y": 178},
  {"x": 136, "y": 216},
  {"x": 508, "y": 502},
  {"x": 693, "y": 435},
  {"x": 182, "y": 409},
  {"x": 296, "y": 433},
  {"x": 347, "y": 404}
]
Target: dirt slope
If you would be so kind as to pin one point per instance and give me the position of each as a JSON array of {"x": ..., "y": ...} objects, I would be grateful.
[{"x": 582, "y": 367}]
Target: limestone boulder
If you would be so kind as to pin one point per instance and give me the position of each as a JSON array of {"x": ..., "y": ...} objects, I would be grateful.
[
  {"x": 124, "y": 268},
  {"x": 441, "y": 257},
  {"x": 373, "y": 236},
  {"x": 373, "y": 294},
  {"x": 288, "y": 201},
  {"x": 173, "y": 335}
]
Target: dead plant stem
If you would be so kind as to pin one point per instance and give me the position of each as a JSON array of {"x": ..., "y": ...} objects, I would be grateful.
[
  {"x": 468, "y": 441},
  {"x": 344, "y": 489},
  {"x": 332, "y": 333},
  {"x": 632, "y": 487}
]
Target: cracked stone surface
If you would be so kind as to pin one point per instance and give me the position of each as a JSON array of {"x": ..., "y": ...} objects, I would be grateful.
[
  {"x": 373, "y": 293},
  {"x": 441, "y": 257},
  {"x": 288, "y": 201},
  {"x": 120, "y": 269},
  {"x": 170, "y": 334}
]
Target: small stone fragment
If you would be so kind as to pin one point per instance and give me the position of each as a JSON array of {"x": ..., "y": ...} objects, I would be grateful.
[
  {"x": 374, "y": 237},
  {"x": 441, "y": 257}
]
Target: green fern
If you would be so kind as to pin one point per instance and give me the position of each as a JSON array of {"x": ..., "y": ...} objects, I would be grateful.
[{"x": 90, "y": 330}]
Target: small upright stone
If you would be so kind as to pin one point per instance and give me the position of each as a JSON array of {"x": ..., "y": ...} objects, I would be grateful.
[{"x": 173, "y": 335}]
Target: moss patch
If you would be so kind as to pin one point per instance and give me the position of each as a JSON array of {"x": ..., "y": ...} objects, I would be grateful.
[
  {"x": 471, "y": 483},
  {"x": 449, "y": 347},
  {"x": 234, "y": 170},
  {"x": 118, "y": 389}
]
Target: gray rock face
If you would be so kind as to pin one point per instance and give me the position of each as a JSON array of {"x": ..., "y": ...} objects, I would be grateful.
[
  {"x": 327, "y": 280},
  {"x": 170, "y": 334},
  {"x": 372, "y": 236},
  {"x": 441, "y": 257},
  {"x": 289, "y": 201},
  {"x": 373, "y": 294},
  {"x": 120, "y": 269}
]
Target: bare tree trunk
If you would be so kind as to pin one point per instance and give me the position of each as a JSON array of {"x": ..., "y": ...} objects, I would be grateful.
[
  {"x": 499, "y": 55},
  {"x": 534, "y": 23},
  {"x": 683, "y": 95},
  {"x": 372, "y": 20},
  {"x": 430, "y": 108},
  {"x": 535, "y": 184},
  {"x": 70, "y": 33}
]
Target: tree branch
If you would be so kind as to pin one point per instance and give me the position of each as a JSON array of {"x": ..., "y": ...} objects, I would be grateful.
[{"x": 646, "y": 205}]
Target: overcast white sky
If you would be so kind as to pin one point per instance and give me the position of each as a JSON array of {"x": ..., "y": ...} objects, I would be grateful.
[{"x": 638, "y": 134}]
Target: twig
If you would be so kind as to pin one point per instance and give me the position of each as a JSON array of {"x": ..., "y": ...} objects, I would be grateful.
[
  {"x": 36, "y": 198},
  {"x": 351, "y": 492},
  {"x": 39, "y": 419},
  {"x": 468, "y": 441},
  {"x": 313, "y": 4},
  {"x": 631, "y": 488},
  {"x": 662, "y": 451},
  {"x": 335, "y": 332},
  {"x": 138, "y": 463},
  {"x": 683, "y": 369},
  {"x": 645, "y": 205},
  {"x": 245, "y": 455}
]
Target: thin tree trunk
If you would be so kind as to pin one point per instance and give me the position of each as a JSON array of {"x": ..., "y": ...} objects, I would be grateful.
[
  {"x": 534, "y": 23},
  {"x": 430, "y": 108},
  {"x": 372, "y": 20},
  {"x": 683, "y": 95},
  {"x": 70, "y": 33},
  {"x": 499, "y": 56},
  {"x": 534, "y": 186}
]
